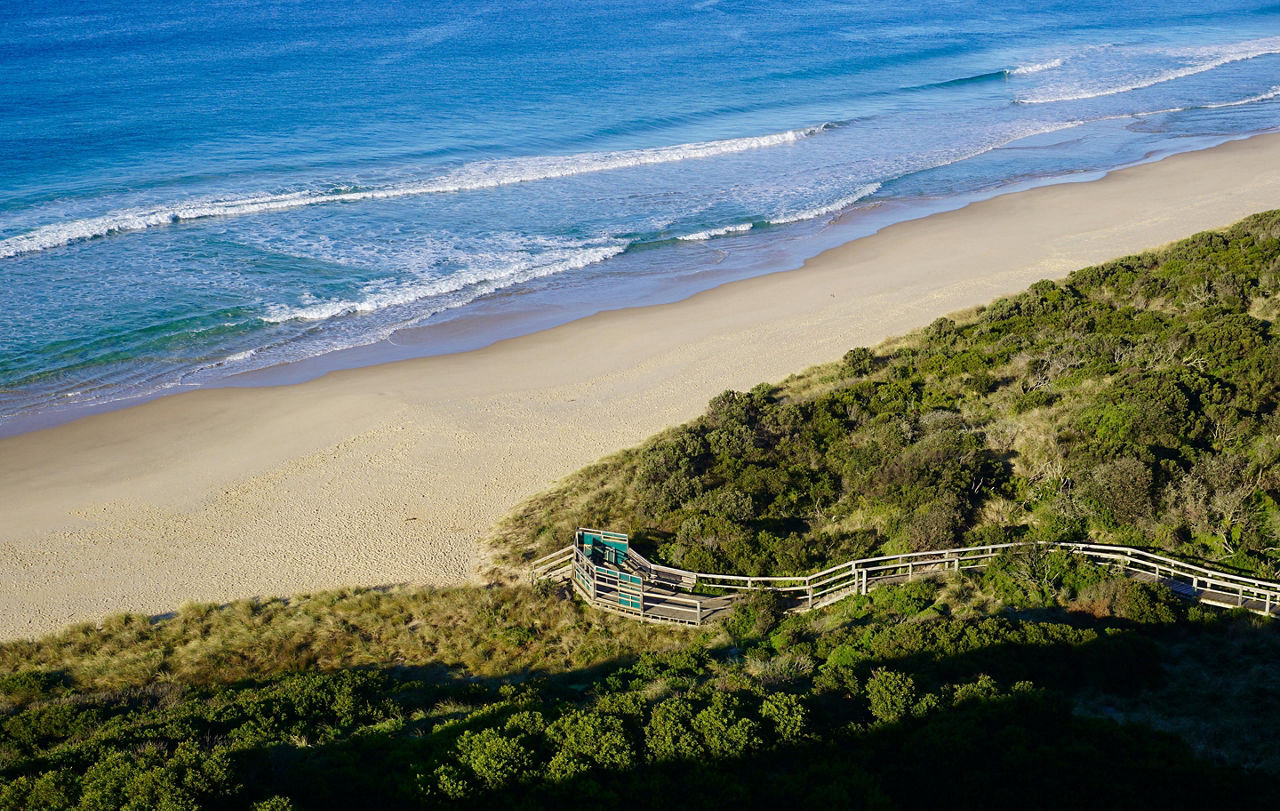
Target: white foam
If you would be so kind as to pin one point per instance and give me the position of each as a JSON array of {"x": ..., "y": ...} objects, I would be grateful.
[
  {"x": 479, "y": 280},
  {"x": 1213, "y": 57},
  {"x": 717, "y": 232},
  {"x": 239, "y": 356},
  {"x": 471, "y": 177},
  {"x": 1270, "y": 94},
  {"x": 1038, "y": 67},
  {"x": 830, "y": 208}
]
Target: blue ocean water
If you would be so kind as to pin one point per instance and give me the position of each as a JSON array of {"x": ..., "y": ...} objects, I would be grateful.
[{"x": 193, "y": 190}]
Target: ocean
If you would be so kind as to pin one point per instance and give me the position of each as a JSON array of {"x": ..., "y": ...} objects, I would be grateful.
[{"x": 230, "y": 193}]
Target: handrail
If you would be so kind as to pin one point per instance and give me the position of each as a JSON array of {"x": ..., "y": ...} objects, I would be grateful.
[
  {"x": 545, "y": 559},
  {"x": 1133, "y": 551},
  {"x": 833, "y": 583},
  {"x": 558, "y": 564}
]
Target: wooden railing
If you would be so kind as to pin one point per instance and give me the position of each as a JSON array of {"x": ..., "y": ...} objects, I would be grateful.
[
  {"x": 660, "y": 593},
  {"x": 556, "y": 566},
  {"x": 1204, "y": 584}
]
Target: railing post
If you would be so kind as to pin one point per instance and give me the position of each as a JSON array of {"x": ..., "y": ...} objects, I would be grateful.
[
  {"x": 811, "y": 598},
  {"x": 699, "y": 605}
]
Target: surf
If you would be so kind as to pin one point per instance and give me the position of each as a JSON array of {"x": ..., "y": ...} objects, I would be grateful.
[{"x": 489, "y": 174}]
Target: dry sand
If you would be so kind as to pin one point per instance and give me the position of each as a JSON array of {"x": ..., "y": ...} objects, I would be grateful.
[{"x": 396, "y": 473}]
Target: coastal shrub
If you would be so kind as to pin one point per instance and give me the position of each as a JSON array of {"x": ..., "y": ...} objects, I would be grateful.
[
  {"x": 890, "y": 695},
  {"x": 858, "y": 361},
  {"x": 455, "y": 742},
  {"x": 1119, "y": 493},
  {"x": 753, "y": 616},
  {"x": 787, "y": 715},
  {"x": 726, "y": 729},
  {"x": 494, "y": 758},
  {"x": 669, "y": 735},
  {"x": 1146, "y": 603},
  {"x": 588, "y": 741},
  {"x": 1035, "y": 575},
  {"x": 905, "y": 599}
]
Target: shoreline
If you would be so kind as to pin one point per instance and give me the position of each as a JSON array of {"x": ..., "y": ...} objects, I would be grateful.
[
  {"x": 396, "y": 472},
  {"x": 514, "y": 312}
]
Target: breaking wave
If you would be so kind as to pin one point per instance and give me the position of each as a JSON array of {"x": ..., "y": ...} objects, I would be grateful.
[
  {"x": 471, "y": 177},
  {"x": 1203, "y": 60},
  {"x": 480, "y": 280},
  {"x": 1038, "y": 67}
]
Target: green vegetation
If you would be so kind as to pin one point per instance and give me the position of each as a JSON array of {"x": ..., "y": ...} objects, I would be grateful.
[
  {"x": 1135, "y": 403},
  {"x": 842, "y": 705}
]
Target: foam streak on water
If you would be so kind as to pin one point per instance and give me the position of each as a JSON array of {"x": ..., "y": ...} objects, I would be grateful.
[{"x": 1189, "y": 61}]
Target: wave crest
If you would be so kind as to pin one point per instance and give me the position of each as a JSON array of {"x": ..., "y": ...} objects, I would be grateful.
[
  {"x": 830, "y": 208},
  {"x": 711, "y": 233},
  {"x": 470, "y": 177},
  {"x": 1267, "y": 96},
  {"x": 477, "y": 282},
  {"x": 1212, "y": 58},
  {"x": 1038, "y": 67}
]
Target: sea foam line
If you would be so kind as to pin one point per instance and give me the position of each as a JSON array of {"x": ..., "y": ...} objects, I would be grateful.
[
  {"x": 1270, "y": 94},
  {"x": 718, "y": 232},
  {"x": 782, "y": 219},
  {"x": 481, "y": 281},
  {"x": 830, "y": 208},
  {"x": 471, "y": 177},
  {"x": 1239, "y": 52}
]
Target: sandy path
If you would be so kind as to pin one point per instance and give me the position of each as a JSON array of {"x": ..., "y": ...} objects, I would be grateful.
[{"x": 395, "y": 473}]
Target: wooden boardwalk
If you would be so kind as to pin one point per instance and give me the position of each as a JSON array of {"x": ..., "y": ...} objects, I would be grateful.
[{"x": 629, "y": 584}]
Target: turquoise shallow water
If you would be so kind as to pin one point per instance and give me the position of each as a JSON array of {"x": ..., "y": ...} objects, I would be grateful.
[{"x": 189, "y": 191}]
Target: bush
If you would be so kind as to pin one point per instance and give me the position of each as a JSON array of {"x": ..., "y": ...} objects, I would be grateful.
[
  {"x": 906, "y": 599},
  {"x": 669, "y": 735},
  {"x": 1119, "y": 492},
  {"x": 858, "y": 362},
  {"x": 890, "y": 695},
  {"x": 495, "y": 758},
  {"x": 788, "y": 716},
  {"x": 587, "y": 741},
  {"x": 753, "y": 616},
  {"x": 1136, "y": 601},
  {"x": 726, "y": 731}
]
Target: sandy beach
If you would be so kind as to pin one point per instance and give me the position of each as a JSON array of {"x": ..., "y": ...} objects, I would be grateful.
[{"x": 396, "y": 473}]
